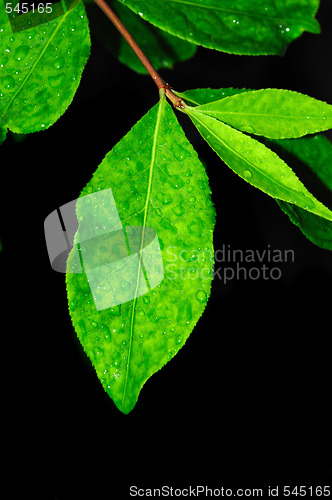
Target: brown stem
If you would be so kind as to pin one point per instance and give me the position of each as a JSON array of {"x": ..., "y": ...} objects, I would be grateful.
[{"x": 161, "y": 84}]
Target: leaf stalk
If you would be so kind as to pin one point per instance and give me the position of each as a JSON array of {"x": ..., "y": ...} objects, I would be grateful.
[{"x": 159, "y": 81}]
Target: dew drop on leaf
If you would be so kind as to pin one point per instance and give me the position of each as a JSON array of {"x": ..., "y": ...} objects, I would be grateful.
[
  {"x": 152, "y": 315},
  {"x": 179, "y": 210},
  {"x": 21, "y": 52},
  {"x": 115, "y": 311},
  {"x": 247, "y": 174},
  {"x": 106, "y": 333},
  {"x": 59, "y": 63},
  {"x": 8, "y": 82},
  {"x": 97, "y": 352},
  {"x": 201, "y": 296}
]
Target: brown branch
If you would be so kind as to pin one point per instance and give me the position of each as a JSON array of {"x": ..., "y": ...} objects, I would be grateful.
[{"x": 161, "y": 84}]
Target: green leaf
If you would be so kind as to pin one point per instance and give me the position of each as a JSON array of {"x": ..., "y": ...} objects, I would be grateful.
[
  {"x": 237, "y": 27},
  {"x": 157, "y": 182},
  {"x": 161, "y": 48},
  {"x": 256, "y": 163},
  {"x": 273, "y": 113},
  {"x": 41, "y": 69},
  {"x": 309, "y": 156},
  {"x": 313, "y": 157}
]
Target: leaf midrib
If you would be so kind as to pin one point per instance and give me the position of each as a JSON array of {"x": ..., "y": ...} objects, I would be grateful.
[
  {"x": 63, "y": 18},
  {"x": 269, "y": 115},
  {"x": 147, "y": 202}
]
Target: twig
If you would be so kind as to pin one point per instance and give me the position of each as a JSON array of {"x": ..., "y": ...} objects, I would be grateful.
[{"x": 161, "y": 84}]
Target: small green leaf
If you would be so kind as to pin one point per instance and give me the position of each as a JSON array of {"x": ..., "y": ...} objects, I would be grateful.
[
  {"x": 273, "y": 113},
  {"x": 41, "y": 69},
  {"x": 313, "y": 156},
  {"x": 255, "y": 163},
  {"x": 161, "y": 48},
  {"x": 237, "y": 27},
  {"x": 159, "y": 183}
]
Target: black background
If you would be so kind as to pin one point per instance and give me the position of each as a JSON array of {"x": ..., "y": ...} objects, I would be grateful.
[{"x": 247, "y": 401}]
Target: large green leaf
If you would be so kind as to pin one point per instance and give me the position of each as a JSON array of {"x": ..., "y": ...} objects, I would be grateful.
[
  {"x": 41, "y": 69},
  {"x": 273, "y": 113},
  {"x": 310, "y": 157},
  {"x": 256, "y": 163},
  {"x": 161, "y": 48},
  {"x": 237, "y": 27},
  {"x": 157, "y": 182}
]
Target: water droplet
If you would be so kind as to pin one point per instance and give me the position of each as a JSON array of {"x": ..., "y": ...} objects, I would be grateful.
[
  {"x": 179, "y": 210},
  {"x": 165, "y": 198},
  {"x": 59, "y": 63},
  {"x": 106, "y": 333},
  {"x": 247, "y": 174},
  {"x": 125, "y": 285},
  {"x": 21, "y": 52},
  {"x": 97, "y": 352},
  {"x": 8, "y": 82},
  {"x": 4, "y": 61},
  {"x": 178, "y": 182},
  {"x": 114, "y": 311},
  {"x": 250, "y": 129},
  {"x": 126, "y": 205},
  {"x": 73, "y": 303},
  {"x": 201, "y": 296},
  {"x": 116, "y": 358},
  {"x": 152, "y": 315},
  {"x": 101, "y": 185},
  {"x": 193, "y": 272}
]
